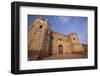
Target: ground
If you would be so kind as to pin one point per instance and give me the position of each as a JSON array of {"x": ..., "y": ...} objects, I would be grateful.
[{"x": 69, "y": 56}]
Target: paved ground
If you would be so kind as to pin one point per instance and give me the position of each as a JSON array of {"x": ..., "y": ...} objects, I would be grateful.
[{"x": 70, "y": 56}]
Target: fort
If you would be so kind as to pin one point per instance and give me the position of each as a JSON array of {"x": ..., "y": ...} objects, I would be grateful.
[{"x": 43, "y": 42}]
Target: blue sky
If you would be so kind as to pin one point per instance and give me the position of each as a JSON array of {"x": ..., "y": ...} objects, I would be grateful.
[{"x": 66, "y": 25}]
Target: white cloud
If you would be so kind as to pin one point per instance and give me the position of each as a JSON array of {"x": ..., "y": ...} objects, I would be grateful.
[{"x": 64, "y": 19}]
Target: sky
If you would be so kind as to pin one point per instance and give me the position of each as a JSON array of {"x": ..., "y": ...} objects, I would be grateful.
[{"x": 66, "y": 25}]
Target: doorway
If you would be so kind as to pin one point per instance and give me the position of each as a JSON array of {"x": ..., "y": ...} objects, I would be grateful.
[{"x": 60, "y": 49}]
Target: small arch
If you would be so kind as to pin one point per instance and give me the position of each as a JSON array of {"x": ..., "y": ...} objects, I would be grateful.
[
  {"x": 40, "y": 26},
  {"x": 60, "y": 39},
  {"x": 74, "y": 38}
]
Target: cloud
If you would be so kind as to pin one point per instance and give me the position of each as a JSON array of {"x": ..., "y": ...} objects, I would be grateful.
[{"x": 64, "y": 19}]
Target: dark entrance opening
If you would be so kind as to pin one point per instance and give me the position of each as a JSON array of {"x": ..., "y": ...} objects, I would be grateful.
[{"x": 60, "y": 49}]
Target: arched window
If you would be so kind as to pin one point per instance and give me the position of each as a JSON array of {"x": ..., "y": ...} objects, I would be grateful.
[
  {"x": 40, "y": 26},
  {"x": 74, "y": 38}
]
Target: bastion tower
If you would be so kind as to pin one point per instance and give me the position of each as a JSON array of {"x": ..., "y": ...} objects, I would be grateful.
[
  {"x": 76, "y": 44},
  {"x": 39, "y": 39}
]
